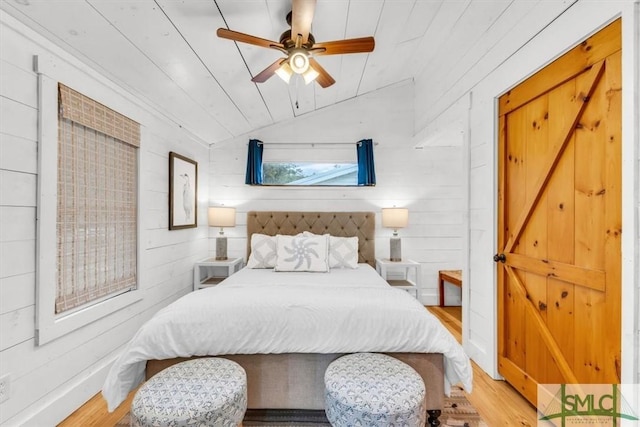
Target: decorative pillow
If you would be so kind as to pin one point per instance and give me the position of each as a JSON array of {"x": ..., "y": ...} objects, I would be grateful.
[
  {"x": 302, "y": 253},
  {"x": 263, "y": 251},
  {"x": 343, "y": 252}
]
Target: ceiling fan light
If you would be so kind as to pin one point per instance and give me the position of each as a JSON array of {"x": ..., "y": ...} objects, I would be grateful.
[
  {"x": 285, "y": 72},
  {"x": 310, "y": 75},
  {"x": 299, "y": 61}
]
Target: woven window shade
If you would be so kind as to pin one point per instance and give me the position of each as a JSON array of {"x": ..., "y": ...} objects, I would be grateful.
[
  {"x": 96, "y": 216},
  {"x": 85, "y": 111}
]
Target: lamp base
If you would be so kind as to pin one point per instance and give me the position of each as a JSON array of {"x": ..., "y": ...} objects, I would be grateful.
[
  {"x": 395, "y": 251},
  {"x": 221, "y": 248}
]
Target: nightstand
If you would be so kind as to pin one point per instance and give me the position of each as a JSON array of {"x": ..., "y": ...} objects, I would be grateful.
[
  {"x": 209, "y": 272},
  {"x": 409, "y": 271}
]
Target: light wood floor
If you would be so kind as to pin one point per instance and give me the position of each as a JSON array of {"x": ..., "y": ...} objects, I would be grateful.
[{"x": 496, "y": 401}]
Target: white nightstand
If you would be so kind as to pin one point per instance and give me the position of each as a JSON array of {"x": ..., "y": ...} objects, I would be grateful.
[
  {"x": 209, "y": 272},
  {"x": 408, "y": 269}
]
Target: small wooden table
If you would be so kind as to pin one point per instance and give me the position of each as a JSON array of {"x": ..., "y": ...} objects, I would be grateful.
[{"x": 450, "y": 276}]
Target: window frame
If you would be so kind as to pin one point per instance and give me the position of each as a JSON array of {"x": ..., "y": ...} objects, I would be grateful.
[
  {"x": 49, "y": 325},
  {"x": 321, "y": 153}
]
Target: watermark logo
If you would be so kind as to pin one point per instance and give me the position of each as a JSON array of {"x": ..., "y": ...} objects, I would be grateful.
[{"x": 577, "y": 405}]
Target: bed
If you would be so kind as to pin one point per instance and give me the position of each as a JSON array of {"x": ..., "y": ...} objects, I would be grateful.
[{"x": 285, "y": 328}]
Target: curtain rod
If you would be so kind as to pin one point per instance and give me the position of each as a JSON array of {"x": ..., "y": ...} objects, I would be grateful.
[{"x": 312, "y": 144}]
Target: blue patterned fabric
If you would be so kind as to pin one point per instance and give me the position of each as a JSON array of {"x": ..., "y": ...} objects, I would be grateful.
[
  {"x": 370, "y": 389},
  {"x": 201, "y": 392}
]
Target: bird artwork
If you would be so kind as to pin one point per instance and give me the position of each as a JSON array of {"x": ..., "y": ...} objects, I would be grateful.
[{"x": 187, "y": 197}]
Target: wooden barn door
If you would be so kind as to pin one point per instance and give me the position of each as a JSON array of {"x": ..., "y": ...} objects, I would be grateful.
[{"x": 560, "y": 220}]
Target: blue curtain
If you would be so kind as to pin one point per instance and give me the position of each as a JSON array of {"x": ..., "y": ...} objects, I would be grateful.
[
  {"x": 254, "y": 163},
  {"x": 366, "y": 168}
]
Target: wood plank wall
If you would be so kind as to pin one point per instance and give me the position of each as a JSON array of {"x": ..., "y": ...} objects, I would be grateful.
[
  {"x": 47, "y": 383},
  {"x": 427, "y": 181},
  {"x": 537, "y": 33}
]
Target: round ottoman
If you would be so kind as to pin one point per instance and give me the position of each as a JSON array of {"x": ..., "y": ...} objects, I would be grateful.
[
  {"x": 371, "y": 389},
  {"x": 201, "y": 392}
]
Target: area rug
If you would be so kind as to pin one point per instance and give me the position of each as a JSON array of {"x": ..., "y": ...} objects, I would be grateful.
[{"x": 458, "y": 412}]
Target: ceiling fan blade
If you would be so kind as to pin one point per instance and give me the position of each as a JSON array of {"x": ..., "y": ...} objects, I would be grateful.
[
  {"x": 265, "y": 74},
  {"x": 301, "y": 17},
  {"x": 246, "y": 38},
  {"x": 338, "y": 47},
  {"x": 324, "y": 79}
]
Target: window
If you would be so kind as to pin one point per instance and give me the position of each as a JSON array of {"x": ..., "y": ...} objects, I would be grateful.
[
  {"x": 96, "y": 216},
  {"x": 341, "y": 167},
  {"x": 88, "y": 202},
  {"x": 308, "y": 173}
]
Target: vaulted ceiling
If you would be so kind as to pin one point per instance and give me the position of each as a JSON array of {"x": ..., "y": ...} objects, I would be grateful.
[{"x": 166, "y": 52}]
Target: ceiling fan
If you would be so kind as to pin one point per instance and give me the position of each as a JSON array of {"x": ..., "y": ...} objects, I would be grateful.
[{"x": 300, "y": 47}]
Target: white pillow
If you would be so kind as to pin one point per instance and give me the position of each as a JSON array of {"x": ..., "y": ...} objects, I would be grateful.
[
  {"x": 343, "y": 252},
  {"x": 302, "y": 253},
  {"x": 263, "y": 251}
]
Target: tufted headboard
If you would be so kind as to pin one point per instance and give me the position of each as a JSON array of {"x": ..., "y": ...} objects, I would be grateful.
[{"x": 341, "y": 224}]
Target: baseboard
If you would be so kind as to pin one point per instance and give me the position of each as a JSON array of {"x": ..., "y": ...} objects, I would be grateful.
[
  {"x": 53, "y": 409},
  {"x": 428, "y": 297},
  {"x": 431, "y": 297}
]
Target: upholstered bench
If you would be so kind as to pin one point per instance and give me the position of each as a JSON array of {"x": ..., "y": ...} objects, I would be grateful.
[
  {"x": 371, "y": 389},
  {"x": 202, "y": 392}
]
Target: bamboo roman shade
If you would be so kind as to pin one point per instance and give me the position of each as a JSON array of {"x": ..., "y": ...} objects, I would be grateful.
[
  {"x": 96, "y": 202},
  {"x": 87, "y": 112}
]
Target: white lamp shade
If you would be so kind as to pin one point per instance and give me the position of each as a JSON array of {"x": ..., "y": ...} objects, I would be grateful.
[
  {"x": 222, "y": 217},
  {"x": 395, "y": 217},
  {"x": 310, "y": 75},
  {"x": 285, "y": 72}
]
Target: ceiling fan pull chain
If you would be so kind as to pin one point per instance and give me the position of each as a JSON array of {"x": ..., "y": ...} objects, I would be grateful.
[{"x": 297, "y": 93}]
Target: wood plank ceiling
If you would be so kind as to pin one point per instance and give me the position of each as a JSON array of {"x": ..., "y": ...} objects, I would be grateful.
[{"x": 166, "y": 52}]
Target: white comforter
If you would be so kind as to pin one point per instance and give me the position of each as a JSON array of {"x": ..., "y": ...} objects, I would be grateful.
[{"x": 262, "y": 311}]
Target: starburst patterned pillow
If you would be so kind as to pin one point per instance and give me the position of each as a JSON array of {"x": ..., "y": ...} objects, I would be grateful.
[{"x": 302, "y": 253}]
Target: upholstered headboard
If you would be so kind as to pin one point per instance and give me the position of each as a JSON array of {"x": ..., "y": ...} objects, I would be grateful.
[{"x": 341, "y": 224}]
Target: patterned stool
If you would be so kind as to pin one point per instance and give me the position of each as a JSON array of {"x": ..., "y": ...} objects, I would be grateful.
[
  {"x": 201, "y": 392},
  {"x": 370, "y": 389}
]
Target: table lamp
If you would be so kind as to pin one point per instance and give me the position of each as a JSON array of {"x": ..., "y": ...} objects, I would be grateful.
[
  {"x": 395, "y": 218},
  {"x": 222, "y": 217}
]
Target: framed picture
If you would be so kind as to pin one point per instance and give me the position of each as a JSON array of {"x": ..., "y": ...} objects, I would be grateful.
[{"x": 183, "y": 192}]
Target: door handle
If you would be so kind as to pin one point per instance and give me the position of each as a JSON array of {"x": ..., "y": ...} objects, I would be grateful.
[{"x": 500, "y": 258}]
